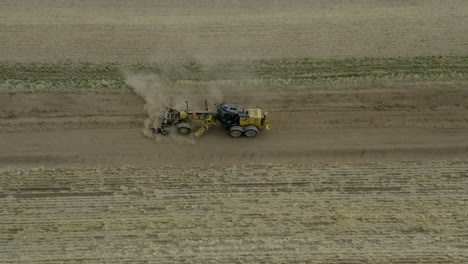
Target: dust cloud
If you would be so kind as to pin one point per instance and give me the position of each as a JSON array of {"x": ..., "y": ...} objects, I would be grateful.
[
  {"x": 176, "y": 83},
  {"x": 159, "y": 93}
]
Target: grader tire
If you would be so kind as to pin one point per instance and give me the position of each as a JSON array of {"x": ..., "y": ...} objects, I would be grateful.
[
  {"x": 184, "y": 129},
  {"x": 250, "y": 131},
  {"x": 235, "y": 131}
]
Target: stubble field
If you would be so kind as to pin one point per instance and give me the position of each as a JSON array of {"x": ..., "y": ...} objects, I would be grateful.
[
  {"x": 405, "y": 212},
  {"x": 214, "y": 30},
  {"x": 366, "y": 161}
]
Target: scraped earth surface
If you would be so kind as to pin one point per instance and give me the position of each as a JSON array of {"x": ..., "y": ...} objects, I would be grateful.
[{"x": 50, "y": 130}]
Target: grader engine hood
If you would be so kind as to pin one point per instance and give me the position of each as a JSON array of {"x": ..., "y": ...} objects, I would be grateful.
[{"x": 251, "y": 117}]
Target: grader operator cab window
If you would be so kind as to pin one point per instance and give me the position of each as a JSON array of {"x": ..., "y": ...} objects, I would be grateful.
[{"x": 227, "y": 114}]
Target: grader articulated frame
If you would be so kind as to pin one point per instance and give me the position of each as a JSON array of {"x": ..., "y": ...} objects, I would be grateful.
[{"x": 239, "y": 121}]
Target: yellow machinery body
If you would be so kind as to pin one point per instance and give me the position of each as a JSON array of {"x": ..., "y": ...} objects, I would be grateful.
[
  {"x": 253, "y": 118},
  {"x": 245, "y": 121}
]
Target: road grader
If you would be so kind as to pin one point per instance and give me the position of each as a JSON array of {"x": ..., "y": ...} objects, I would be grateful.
[{"x": 238, "y": 121}]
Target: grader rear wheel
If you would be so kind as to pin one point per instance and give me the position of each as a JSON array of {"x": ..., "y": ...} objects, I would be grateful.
[
  {"x": 235, "y": 131},
  {"x": 250, "y": 131}
]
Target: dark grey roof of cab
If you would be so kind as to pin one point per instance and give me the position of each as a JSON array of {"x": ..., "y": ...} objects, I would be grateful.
[{"x": 229, "y": 107}]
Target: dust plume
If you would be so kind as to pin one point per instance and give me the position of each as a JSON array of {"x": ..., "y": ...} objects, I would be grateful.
[
  {"x": 154, "y": 93},
  {"x": 159, "y": 93}
]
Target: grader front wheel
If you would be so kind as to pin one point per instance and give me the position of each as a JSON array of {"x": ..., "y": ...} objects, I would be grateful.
[{"x": 184, "y": 129}]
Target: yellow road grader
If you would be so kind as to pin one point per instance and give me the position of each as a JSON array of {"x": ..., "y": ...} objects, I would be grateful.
[{"x": 238, "y": 121}]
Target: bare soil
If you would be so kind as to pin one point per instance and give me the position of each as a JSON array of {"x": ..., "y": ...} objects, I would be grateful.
[
  {"x": 53, "y": 130},
  {"x": 213, "y": 30}
]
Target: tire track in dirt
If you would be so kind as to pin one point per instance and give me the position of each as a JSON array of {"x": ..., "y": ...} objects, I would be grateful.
[{"x": 350, "y": 125}]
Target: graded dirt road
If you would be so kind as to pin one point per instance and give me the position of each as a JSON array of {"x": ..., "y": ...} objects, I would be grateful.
[{"x": 350, "y": 125}]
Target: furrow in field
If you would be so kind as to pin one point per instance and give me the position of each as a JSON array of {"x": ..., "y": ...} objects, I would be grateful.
[{"x": 365, "y": 211}]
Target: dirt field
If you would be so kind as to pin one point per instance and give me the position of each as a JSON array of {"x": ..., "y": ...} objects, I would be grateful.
[
  {"x": 79, "y": 130},
  {"x": 405, "y": 212},
  {"x": 366, "y": 162},
  {"x": 214, "y": 30}
]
